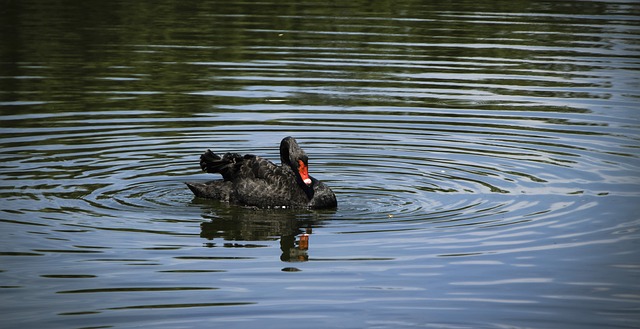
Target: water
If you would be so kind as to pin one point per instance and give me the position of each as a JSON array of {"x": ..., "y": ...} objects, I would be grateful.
[{"x": 485, "y": 159}]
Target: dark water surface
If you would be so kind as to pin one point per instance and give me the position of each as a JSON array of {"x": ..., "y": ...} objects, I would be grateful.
[{"x": 486, "y": 159}]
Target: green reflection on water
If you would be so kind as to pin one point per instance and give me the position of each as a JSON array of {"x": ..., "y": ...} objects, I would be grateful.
[{"x": 162, "y": 55}]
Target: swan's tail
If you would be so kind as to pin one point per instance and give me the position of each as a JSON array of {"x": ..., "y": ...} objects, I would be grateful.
[{"x": 217, "y": 189}]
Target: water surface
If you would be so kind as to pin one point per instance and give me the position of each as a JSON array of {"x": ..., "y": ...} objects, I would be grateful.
[{"x": 485, "y": 158}]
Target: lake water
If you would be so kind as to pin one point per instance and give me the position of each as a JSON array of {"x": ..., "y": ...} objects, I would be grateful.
[{"x": 486, "y": 160}]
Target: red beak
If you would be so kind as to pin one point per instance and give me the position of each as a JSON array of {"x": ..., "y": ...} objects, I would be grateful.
[{"x": 304, "y": 172}]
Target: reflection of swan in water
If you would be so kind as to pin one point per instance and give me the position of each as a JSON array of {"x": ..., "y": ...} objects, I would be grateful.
[
  {"x": 238, "y": 224},
  {"x": 250, "y": 180}
]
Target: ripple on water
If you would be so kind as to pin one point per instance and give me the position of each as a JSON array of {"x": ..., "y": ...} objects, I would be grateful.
[{"x": 414, "y": 158}]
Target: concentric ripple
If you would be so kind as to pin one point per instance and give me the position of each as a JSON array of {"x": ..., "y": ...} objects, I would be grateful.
[{"x": 407, "y": 163}]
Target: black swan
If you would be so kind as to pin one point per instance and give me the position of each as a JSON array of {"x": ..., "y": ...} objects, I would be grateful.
[{"x": 250, "y": 180}]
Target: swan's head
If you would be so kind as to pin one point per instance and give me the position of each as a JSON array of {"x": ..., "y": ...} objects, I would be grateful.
[{"x": 293, "y": 156}]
